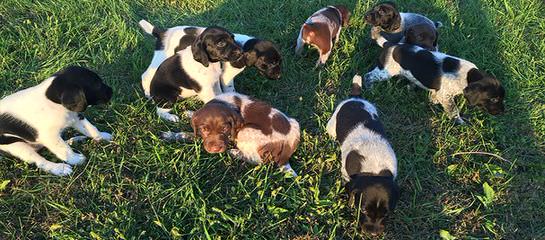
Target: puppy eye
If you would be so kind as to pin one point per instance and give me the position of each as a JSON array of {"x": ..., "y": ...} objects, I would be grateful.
[
  {"x": 494, "y": 100},
  {"x": 221, "y": 44},
  {"x": 203, "y": 129}
]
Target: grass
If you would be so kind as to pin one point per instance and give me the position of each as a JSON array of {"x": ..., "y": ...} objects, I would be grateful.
[{"x": 138, "y": 187}]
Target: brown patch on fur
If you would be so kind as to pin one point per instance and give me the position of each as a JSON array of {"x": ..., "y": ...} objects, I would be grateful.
[
  {"x": 345, "y": 14},
  {"x": 278, "y": 152},
  {"x": 238, "y": 102},
  {"x": 422, "y": 35},
  {"x": 256, "y": 115},
  {"x": 318, "y": 35},
  {"x": 280, "y": 123}
]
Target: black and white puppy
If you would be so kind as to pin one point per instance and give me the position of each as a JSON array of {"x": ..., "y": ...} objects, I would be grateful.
[
  {"x": 192, "y": 68},
  {"x": 390, "y": 25},
  {"x": 369, "y": 164},
  {"x": 259, "y": 53},
  {"x": 35, "y": 117},
  {"x": 444, "y": 75}
]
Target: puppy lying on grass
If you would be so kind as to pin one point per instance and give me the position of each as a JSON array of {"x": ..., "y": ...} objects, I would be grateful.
[
  {"x": 369, "y": 164},
  {"x": 261, "y": 133}
]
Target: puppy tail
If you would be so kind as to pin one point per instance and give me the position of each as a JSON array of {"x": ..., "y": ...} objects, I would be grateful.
[
  {"x": 438, "y": 24},
  {"x": 150, "y": 29},
  {"x": 356, "y": 86}
]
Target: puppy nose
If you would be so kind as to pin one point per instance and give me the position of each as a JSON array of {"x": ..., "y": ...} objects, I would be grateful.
[{"x": 215, "y": 149}]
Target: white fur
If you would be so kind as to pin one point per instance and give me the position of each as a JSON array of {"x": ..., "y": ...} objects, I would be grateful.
[
  {"x": 451, "y": 84},
  {"x": 49, "y": 119},
  {"x": 378, "y": 153}
]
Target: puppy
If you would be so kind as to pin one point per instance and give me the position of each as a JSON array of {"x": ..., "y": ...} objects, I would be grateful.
[
  {"x": 369, "y": 165},
  {"x": 35, "y": 117},
  {"x": 389, "y": 25},
  {"x": 445, "y": 76},
  {"x": 261, "y": 54},
  {"x": 194, "y": 70},
  {"x": 261, "y": 133},
  {"x": 322, "y": 30}
]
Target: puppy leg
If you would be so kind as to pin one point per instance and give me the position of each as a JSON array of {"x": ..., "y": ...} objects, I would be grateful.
[
  {"x": 332, "y": 126},
  {"x": 300, "y": 43},
  {"x": 88, "y": 129},
  {"x": 62, "y": 150},
  {"x": 177, "y": 136},
  {"x": 450, "y": 108},
  {"x": 324, "y": 54},
  {"x": 26, "y": 153},
  {"x": 228, "y": 77},
  {"x": 209, "y": 93},
  {"x": 147, "y": 76},
  {"x": 376, "y": 75},
  {"x": 165, "y": 114}
]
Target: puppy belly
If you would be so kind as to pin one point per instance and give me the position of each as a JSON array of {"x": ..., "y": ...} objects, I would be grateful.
[{"x": 248, "y": 142}]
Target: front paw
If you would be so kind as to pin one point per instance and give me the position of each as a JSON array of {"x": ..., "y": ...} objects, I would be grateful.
[
  {"x": 76, "y": 159},
  {"x": 104, "y": 136},
  {"x": 58, "y": 169}
]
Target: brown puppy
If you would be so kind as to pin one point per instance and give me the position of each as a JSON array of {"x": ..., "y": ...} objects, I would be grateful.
[
  {"x": 262, "y": 134},
  {"x": 322, "y": 29}
]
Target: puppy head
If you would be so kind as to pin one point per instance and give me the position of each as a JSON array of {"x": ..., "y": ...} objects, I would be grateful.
[
  {"x": 485, "y": 92},
  {"x": 77, "y": 87},
  {"x": 215, "y": 44},
  {"x": 216, "y": 122},
  {"x": 265, "y": 57},
  {"x": 374, "y": 197},
  {"x": 422, "y": 35},
  {"x": 345, "y": 14},
  {"x": 384, "y": 15}
]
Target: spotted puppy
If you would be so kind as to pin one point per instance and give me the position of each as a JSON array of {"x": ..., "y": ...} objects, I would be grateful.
[
  {"x": 322, "y": 30},
  {"x": 369, "y": 165},
  {"x": 389, "y": 25},
  {"x": 258, "y": 53},
  {"x": 36, "y": 117},
  {"x": 445, "y": 76},
  {"x": 261, "y": 133},
  {"x": 194, "y": 67}
]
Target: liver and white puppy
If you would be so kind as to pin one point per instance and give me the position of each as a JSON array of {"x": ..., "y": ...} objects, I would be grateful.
[
  {"x": 35, "y": 117},
  {"x": 369, "y": 164},
  {"x": 259, "y": 53},
  {"x": 389, "y": 25},
  {"x": 194, "y": 69},
  {"x": 322, "y": 30},
  {"x": 261, "y": 133},
  {"x": 445, "y": 76}
]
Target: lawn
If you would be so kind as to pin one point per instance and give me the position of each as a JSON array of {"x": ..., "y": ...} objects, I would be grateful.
[{"x": 140, "y": 187}]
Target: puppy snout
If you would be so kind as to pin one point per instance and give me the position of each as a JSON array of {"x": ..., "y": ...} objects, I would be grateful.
[{"x": 215, "y": 146}]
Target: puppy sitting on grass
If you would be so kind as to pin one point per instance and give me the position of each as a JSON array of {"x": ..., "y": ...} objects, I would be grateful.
[
  {"x": 390, "y": 25},
  {"x": 261, "y": 133},
  {"x": 369, "y": 164}
]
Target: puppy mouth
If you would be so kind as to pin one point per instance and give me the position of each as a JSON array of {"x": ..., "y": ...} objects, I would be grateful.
[{"x": 215, "y": 148}]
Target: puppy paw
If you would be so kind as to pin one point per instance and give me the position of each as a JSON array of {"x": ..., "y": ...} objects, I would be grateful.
[
  {"x": 287, "y": 169},
  {"x": 76, "y": 139},
  {"x": 459, "y": 121},
  {"x": 104, "y": 136},
  {"x": 76, "y": 159},
  {"x": 177, "y": 136},
  {"x": 189, "y": 113},
  {"x": 171, "y": 117},
  {"x": 58, "y": 169}
]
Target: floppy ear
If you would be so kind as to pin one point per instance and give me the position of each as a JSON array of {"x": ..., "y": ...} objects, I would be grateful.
[
  {"x": 195, "y": 120},
  {"x": 251, "y": 57},
  {"x": 394, "y": 196},
  {"x": 237, "y": 122},
  {"x": 199, "y": 51},
  {"x": 472, "y": 93},
  {"x": 73, "y": 99}
]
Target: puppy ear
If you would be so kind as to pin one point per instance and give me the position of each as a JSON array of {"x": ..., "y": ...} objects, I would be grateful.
[
  {"x": 251, "y": 57},
  {"x": 195, "y": 122},
  {"x": 473, "y": 93},
  {"x": 73, "y": 99},
  {"x": 394, "y": 196},
  {"x": 198, "y": 49},
  {"x": 237, "y": 122}
]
